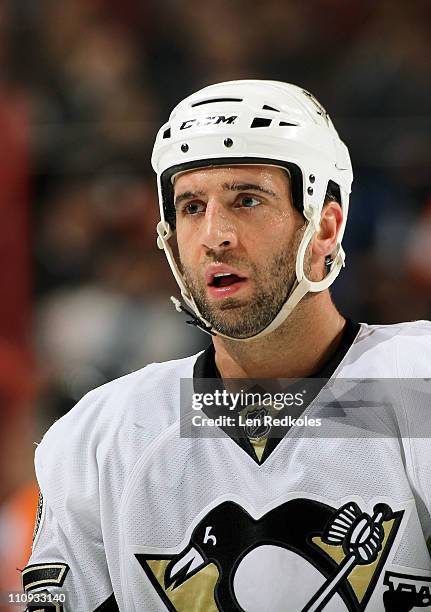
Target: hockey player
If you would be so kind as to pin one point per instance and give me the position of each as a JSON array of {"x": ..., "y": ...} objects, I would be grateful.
[{"x": 327, "y": 510}]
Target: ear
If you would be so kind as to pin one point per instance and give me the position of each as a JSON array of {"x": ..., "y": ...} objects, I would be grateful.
[{"x": 325, "y": 240}]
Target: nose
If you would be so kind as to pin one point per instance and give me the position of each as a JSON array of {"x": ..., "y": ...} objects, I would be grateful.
[{"x": 218, "y": 231}]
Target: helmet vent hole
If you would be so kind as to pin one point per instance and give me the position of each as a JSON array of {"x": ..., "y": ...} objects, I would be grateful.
[
  {"x": 167, "y": 133},
  {"x": 285, "y": 123},
  {"x": 216, "y": 100},
  {"x": 260, "y": 122},
  {"x": 267, "y": 107}
]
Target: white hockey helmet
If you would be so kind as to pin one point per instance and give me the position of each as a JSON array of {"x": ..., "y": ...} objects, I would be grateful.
[{"x": 264, "y": 123}]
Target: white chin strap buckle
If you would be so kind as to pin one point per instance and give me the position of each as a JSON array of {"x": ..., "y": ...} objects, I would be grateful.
[{"x": 195, "y": 320}]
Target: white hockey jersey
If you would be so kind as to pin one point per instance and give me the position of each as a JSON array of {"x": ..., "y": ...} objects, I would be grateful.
[{"x": 139, "y": 519}]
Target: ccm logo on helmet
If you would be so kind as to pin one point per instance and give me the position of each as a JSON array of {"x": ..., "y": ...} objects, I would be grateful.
[{"x": 203, "y": 121}]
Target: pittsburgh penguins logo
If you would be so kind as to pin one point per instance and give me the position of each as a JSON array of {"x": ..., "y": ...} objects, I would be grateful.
[{"x": 233, "y": 561}]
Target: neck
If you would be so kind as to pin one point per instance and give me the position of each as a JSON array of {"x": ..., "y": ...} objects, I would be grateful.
[{"x": 298, "y": 348}]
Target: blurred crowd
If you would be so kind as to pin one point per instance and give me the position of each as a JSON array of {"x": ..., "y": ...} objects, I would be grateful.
[{"x": 84, "y": 85}]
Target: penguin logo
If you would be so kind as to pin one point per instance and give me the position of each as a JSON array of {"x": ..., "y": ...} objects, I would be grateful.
[{"x": 234, "y": 562}]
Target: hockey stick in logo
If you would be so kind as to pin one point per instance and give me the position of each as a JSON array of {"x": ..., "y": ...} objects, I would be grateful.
[{"x": 361, "y": 536}]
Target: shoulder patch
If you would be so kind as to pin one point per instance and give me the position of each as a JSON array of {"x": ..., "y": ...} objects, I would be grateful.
[{"x": 44, "y": 574}]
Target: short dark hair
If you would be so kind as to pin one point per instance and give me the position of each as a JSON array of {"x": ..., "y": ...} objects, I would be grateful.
[{"x": 332, "y": 193}]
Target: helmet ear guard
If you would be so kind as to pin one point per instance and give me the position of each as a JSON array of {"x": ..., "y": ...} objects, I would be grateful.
[{"x": 256, "y": 123}]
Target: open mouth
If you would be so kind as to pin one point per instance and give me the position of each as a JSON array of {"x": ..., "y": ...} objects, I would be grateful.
[{"x": 225, "y": 280}]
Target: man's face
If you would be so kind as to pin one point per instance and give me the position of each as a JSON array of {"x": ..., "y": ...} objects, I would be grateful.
[{"x": 238, "y": 234}]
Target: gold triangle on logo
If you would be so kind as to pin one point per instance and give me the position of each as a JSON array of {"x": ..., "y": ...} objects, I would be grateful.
[
  {"x": 196, "y": 593},
  {"x": 361, "y": 576}
]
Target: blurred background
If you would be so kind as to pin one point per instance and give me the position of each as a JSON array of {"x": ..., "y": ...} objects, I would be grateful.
[{"x": 84, "y": 86}]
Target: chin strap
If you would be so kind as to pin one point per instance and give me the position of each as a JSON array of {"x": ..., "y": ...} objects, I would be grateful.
[{"x": 195, "y": 320}]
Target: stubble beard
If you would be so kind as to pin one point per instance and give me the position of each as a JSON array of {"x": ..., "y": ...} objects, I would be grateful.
[{"x": 245, "y": 317}]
